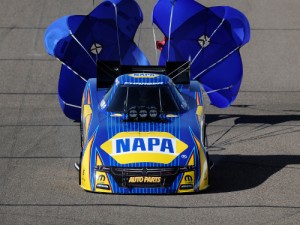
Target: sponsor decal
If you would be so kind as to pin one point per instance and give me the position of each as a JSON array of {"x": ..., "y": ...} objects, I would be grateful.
[
  {"x": 184, "y": 156},
  {"x": 186, "y": 186},
  {"x": 140, "y": 83},
  {"x": 136, "y": 147},
  {"x": 103, "y": 186},
  {"x": 188, "y": 178},
  {"x": 163, "y": 145},
  {"x": 144, "y": 180},
  {"x": 101, "y": 178},
  {"x": 143, "y": 75}
]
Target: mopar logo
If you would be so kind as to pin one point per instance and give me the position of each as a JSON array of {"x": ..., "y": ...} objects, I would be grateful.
[
  {"x": 101, "y": 178},
  {"x": 188, "y": 178},
  {"x": 162, "y": 145}
]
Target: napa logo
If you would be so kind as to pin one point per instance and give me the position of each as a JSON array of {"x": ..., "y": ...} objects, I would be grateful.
[
  {"x": 143, "y": 75},
  {"x": 126, "y": 145},
  {"x": 138, "y": 147}
]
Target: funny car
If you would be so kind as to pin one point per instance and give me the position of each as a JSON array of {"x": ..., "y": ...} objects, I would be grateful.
[
  {"x": 142, "y": 126},
  {"x": 144, "y": 134}
]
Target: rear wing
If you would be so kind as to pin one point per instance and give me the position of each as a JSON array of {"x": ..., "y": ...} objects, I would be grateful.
[{"x": 108, "y": 71}]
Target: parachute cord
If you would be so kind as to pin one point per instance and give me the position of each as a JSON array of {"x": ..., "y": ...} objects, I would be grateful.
[
  {"x": 95, "y": 62},
  {"x": 181, "y": 72},
  {"x": 221, "y": 89},
  {"x": 170, "y": 29},
  {"x": 140, "y": 33},
  {"x": 220, "y": 60},
  {"x": 68, "y": 104},
  {"x": 202, "y": 47},
  {"x": 118, "y": 37},
  {"x": 216, "y": 29},
  {"x": 96, "y": 57},
  {"x": 73, "y": 36},
  {"x": 139, "y": 42},
  {"x": 178, "y": 69},
  {"x": 154, "y": 38},
  {"x": 197, "y": 55},
  {"x": 77, "y": 74}
]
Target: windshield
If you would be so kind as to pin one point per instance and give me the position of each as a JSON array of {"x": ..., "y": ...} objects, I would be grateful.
[{"x": 127, "y": 97}]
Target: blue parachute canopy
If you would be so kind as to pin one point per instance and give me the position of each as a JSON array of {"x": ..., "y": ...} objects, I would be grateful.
[
  {"x": 210, "y": 38},
  {"x": 79, "y": 41}
]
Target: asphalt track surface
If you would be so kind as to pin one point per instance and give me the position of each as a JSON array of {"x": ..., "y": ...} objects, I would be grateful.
[{"x": 255, "y": 144}]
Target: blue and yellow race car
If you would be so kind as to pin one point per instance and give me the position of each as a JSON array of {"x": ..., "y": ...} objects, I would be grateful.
[
  {"x": 143, "y": 126},
  {"x": 143, "y": 135}
]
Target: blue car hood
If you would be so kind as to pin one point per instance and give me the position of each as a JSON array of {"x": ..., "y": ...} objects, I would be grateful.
[{"x": 144, "y": 144}]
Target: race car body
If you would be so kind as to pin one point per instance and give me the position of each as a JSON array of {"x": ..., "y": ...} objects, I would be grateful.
[{"x": 143, "y": 135}]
